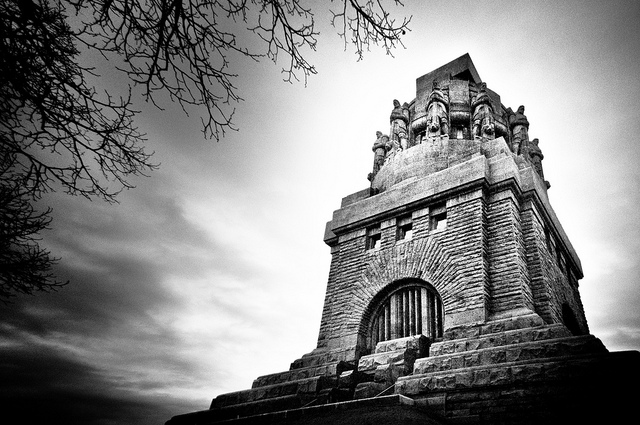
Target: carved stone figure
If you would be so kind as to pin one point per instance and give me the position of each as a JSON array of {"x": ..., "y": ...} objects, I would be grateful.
[
  {"x": 519, "y": 130},
  {"x": 535, "y": 153},
  {"x": 483, "y": 120},
  {"x": 536, "y": 157},
  {"x": 380, "y": 148},
  {"x": 399, "y": 121},
  {"x": 437, "y": 111}
]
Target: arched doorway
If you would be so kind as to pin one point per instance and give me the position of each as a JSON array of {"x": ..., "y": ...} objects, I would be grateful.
[{"x": 405, "y": 309}]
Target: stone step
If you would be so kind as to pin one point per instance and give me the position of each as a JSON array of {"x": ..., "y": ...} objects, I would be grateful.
[
  {"x": 328, "y": 369},
  {"x": 252, "y": 408},
  {"x": 385, "y": 409},
  {"x": 393, "y": 358},
  {"x": 369, "y": 363},
  {"x": 494, "y": 326},
  {"x": 509, "y": 373},
  {"x": 303, "y": 388},
  {"x": 321, "y": 357},
  {"x": 548, "y": 348},
  {"x": 417, "y": 343},
  {"x": 515, "y": 336}
]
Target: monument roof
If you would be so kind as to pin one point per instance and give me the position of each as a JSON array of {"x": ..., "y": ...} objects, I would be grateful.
[{"x": 461, "y": 68}]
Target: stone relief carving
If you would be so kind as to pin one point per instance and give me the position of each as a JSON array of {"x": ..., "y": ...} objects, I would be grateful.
[
  {"x": 437, "y": 111},
  {"x": 431, "y": 116},
  {"x": 519, "y": 130},
  {"x": 483, "y": 120}
]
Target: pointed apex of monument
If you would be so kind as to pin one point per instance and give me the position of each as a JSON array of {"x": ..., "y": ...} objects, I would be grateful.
[{"x": 461, "y": 68}]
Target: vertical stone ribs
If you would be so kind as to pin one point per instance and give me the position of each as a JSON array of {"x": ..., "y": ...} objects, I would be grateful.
[
  {"x": 508, "y": 274},
  {"x": 409, "y": 311},
  {"x": 464, "y": 295},
  {"x": 535, "y": 243}
]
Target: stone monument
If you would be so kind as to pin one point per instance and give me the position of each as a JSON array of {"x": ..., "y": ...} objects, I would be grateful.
[{"x": 453, "y": 293}]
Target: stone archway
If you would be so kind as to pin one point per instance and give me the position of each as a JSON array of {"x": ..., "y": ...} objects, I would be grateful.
[
  {"x": 423, "y": 259},
  {"x": 408, "y": 307}
]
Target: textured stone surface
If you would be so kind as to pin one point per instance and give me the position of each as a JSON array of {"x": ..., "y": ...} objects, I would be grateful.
[
  {"x": 500, "y": 338},
  {"x": 371, "y": 389},
  {"x": 513, "y": 352},
  {"x": 417, "y": 343},
  {"x": 391, "y": 410}
]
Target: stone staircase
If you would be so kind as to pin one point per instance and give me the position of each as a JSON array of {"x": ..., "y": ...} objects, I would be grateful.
[
  {"x": 389, "y": 361},
  {"x": 323, "y": 377},
  {"x": 281, "y": 396},
  {"x": 504, "y": 364},
  {"x": 321, "y": 363},
  {"x": 504, "y": 352},
  {"x": 311, "y": 380},
  {"x": 477, "y": 374},
  {"x": 506, "y": 342}
]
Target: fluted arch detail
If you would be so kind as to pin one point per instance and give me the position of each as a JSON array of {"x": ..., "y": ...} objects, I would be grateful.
[{"x": 421, "y": 259}]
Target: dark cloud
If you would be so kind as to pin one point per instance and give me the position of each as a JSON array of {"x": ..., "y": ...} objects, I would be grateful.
[
  {"x": 100, "y": 350},
  {"x": 41, "y": 385},
  {"x": 51, "y": 370}
]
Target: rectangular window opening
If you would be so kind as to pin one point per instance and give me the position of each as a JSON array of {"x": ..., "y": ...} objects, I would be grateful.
[
  {"x": 438, "y": 218},
  {"x": 404, "y": 229},
  {"x": 374, "y": 238}
]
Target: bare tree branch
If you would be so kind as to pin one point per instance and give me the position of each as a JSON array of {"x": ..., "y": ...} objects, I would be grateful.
[
  {"x": 186, "y": 48},
  {"x": 370, "y": 23},
  {"x": 25, "y": 267},
  {"x": 59, "y": 132}
]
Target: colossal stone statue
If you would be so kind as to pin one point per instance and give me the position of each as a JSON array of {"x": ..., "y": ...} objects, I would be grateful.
[
  {"x": 399, "y": 120},
  {"x": 519, "y": 130},
  {"x": 536, "y": 157},
  {"x": 437, "y": 110},
  {"x": 535, "y": 154},
  {"x": 380, "y": 148},
  {"x": 483, "y": 120}
]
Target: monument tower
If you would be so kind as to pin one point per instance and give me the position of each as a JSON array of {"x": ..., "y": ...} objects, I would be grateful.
[{"x": 453, "y": 289}]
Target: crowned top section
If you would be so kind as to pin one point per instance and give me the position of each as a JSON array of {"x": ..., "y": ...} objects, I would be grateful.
[
  {"x": 461, "y": 68},
  {"x": 446, "y": 123}
]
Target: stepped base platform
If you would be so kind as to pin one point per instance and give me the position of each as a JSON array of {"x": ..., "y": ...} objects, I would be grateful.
[
  {"x": 392, "y": 410},
  {"x": 599, "y": 389},
  {"x": 516, "y": 370}
]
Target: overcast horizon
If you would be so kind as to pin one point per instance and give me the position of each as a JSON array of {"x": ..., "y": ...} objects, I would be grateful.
[{"x": 212, "y": 271}]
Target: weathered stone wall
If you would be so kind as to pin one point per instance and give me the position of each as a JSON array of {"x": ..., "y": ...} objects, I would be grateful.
[
  {"x": 501, "y": 244},
  {"x": 554, "y": 282},
  {"x": 537, "y": 261},
  {"x": 509, "y": 278},
  {"x": 465, "y": 237},
  {"x": 453, "y": 261}
]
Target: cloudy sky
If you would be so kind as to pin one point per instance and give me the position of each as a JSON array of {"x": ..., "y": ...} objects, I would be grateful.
[{"x": 213, "y": 270}]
